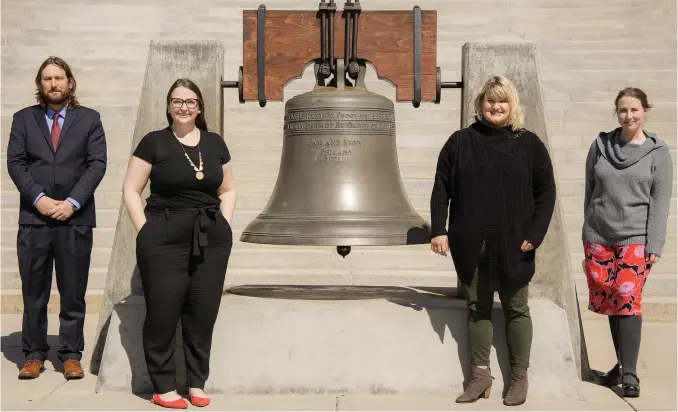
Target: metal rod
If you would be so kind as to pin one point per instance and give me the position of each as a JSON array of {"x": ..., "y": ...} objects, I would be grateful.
[
  {"x": 451, "y": 85},
  {"x": 227, "y": 84},
  {"x": 323, "y": 34},
  {"x": 417, "y": 56},
  {"x": 354, "y": 51},
  {"x": 332, "y": 7},
  {"x": 261, "y": 56},
  {"x": 347, "y": 32}
]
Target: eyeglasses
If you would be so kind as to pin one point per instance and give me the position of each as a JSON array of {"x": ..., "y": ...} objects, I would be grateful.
[{"x": 190, "y": 103}]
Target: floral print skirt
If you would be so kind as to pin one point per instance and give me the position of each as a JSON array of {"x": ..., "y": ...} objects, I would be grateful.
[{"x": 616, "y": 276}]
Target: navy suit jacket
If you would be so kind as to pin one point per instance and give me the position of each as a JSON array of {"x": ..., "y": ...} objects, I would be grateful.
[{"x": 74, "y": 170}]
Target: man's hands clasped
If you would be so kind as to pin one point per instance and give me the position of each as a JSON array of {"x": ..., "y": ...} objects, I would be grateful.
[{"x": 56, "y": 209}]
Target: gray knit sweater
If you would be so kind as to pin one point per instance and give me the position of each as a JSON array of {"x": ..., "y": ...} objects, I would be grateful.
[{"x": 628, "y": 190}]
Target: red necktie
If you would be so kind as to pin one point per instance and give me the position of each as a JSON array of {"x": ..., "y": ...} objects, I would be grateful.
[{"x": 56, "y": 131}]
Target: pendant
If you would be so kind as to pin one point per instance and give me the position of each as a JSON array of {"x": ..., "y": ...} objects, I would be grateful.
[{"x": 199, "y": 175}]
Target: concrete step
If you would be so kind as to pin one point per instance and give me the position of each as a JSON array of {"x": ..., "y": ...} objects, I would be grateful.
[
  {"x": 12, "y": 301},
  {"x": 609, "y": 60},
  {"x": 665, "y": 266},
  {"x": 562, "y": 157},
  {"x": 106, "y": 218},
  {"x": 658, "y": 285},
  {"x": 12, "y": 281},
  {"x": 100, "y": 256},
  {"x": 385, "y": 340},
  {"x": 573, "y": 223},
  {"x": 109, "y": 200},
  {"x": 655, "y": 309},
  {"x": 670, "y": 247},
  {"x": 103, "y": 236},
  {"x": 248, "y": 255},
  {"x": 575, "y": 205},
  {"x": 112, "y": 181}
]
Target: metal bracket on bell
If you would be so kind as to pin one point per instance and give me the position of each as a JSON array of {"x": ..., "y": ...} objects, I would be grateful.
[
  {"x": 340, "y": 76},
  {"x": 324, "y": 66},
  {"x": 352, "y": 14},
  {"x": 227, "y": 84},
  {"x": 444, "y": 85},
  {"x": 362, "y": 69}
]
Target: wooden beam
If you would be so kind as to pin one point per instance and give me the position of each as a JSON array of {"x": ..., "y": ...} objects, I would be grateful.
[{"x": 385, "y": 39}]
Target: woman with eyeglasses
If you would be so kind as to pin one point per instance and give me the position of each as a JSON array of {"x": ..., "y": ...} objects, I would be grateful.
[{"x": 184, "y": 239}]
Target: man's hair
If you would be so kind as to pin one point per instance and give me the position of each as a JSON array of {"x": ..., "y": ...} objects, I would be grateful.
[{"x": 56, "y": 61}]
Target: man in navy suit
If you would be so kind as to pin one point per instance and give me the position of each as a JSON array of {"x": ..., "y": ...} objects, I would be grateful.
[{"x": 56, "y": 157}]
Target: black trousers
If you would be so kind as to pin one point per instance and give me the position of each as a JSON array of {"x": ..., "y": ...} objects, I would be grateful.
[
  {"x": 182, "y": 258},
  {"x": 39, "y": 249}
]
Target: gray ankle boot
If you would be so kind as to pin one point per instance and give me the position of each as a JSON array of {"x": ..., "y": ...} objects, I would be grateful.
[
  {"x": 478, "y": 386},
  {"x": 517, "y": 392}
]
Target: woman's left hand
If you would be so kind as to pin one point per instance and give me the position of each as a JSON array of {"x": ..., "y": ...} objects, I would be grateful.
[
  {"x": 651, "y": 259},
  {"x": 526, "y": 246}
]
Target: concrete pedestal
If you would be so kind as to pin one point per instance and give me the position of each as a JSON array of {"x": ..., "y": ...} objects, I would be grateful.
[{"x": 343, "y": 339}]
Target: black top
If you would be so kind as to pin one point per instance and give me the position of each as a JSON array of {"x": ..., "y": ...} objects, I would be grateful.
[
  {"x": 489, "y": 215},
  {"x": 481, "y": 163},
  {"x": 173, "y": 180}
]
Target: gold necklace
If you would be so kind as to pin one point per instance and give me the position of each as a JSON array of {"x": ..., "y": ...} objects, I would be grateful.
[{"x": 198, "y": 170}]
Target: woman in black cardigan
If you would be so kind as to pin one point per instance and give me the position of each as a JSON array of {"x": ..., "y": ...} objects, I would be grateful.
[{"x": 494, "y": 180}]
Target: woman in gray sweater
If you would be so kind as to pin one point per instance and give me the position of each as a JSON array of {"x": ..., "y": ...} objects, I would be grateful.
[{"x": 629, "y": 175}]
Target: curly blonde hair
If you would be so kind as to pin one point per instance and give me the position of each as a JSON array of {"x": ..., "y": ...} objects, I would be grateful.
[{"x": 500, "y": 88}]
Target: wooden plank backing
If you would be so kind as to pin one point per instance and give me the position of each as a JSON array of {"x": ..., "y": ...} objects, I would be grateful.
[{"x": 385, "y": 38}]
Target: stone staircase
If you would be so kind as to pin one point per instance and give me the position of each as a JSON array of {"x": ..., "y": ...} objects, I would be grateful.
[{"x": 587, "y": 50}]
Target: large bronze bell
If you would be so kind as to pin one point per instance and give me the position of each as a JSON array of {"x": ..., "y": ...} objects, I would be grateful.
[{"x": 339, "y": 181}]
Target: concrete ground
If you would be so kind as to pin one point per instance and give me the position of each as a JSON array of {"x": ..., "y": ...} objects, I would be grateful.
[{"x": 51, "y": 392}]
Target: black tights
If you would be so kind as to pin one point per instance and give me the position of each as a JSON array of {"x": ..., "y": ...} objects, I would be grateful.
[{"x": 626, "y": 332}]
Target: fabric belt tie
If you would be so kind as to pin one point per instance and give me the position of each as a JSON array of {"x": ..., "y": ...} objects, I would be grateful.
[
  {"x": 200, "y": 225},
  {"x": 203, "y": 218}
]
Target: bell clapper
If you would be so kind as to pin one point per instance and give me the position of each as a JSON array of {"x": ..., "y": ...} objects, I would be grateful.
[{"x": 343, "y": 250}]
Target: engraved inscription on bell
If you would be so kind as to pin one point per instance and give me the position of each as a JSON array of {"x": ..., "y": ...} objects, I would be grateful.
[
  {"x": 340, "y": 121},
  {"x": 339, "y": 180},
  {"x": 334, "y": 150}
]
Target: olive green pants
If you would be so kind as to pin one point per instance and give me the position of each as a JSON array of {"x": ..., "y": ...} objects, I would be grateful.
[{"x": 479, "y": 300}]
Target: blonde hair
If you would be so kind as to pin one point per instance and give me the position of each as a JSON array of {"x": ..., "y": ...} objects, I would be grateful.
[{"x": 502, "y": 89}]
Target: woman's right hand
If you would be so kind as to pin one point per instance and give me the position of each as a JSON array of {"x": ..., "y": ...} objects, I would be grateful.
[{"x": 439, "y": 245}]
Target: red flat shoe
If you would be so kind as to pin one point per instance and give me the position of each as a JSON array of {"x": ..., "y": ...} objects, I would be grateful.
[
  {"x": 176, "y": 404},
  {"x": 200, "y": 402}
]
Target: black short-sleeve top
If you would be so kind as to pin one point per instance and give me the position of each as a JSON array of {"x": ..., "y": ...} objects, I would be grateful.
[{"x": 173, "y": 179}]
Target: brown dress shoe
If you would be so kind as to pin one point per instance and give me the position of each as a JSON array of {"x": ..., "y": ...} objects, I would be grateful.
[
  {"x": 73, "y": 370},
  {"x": 31, "y": 369}
]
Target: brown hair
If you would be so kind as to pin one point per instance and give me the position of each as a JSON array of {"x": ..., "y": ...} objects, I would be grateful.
[
  {"x": 58, "y": 62},
  {"x": 632, "y": 92},
  {"x": 200, "y": 122}
]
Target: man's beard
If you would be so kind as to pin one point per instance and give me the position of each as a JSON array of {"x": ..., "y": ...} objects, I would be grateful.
[{"x": 56, "y": 101}]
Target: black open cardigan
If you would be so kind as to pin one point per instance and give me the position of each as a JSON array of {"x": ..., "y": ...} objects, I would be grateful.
[{"x": 526, "y": 196}]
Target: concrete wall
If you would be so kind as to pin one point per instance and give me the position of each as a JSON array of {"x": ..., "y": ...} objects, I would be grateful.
[{"x": 587, "y": 52}]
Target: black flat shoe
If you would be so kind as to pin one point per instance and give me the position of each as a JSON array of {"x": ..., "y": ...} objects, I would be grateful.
[
  {"x": 612, "y": 378},
  {"x": 631, "y": 390}
]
